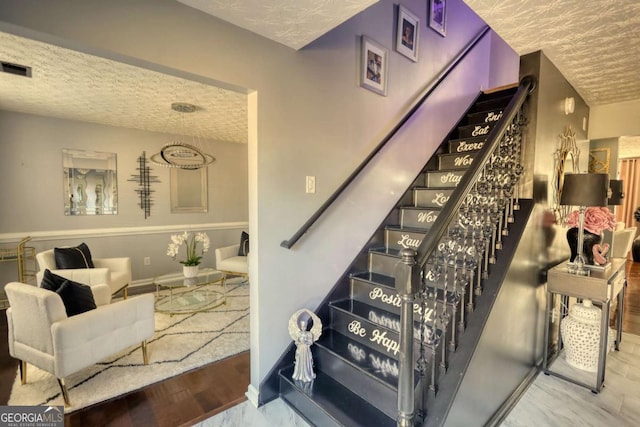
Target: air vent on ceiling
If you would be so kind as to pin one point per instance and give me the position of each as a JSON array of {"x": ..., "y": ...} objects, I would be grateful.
[{"x": 20, "y": 70}]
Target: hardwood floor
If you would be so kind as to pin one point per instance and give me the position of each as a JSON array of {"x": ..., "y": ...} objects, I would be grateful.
[
  {"x": 179, "y": 401},
  {"x": 631, "y": 314},
  {"x": 194, "y": 396}
]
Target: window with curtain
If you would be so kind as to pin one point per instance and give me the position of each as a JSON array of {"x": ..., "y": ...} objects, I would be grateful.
[{"x": 630, "y": 174}]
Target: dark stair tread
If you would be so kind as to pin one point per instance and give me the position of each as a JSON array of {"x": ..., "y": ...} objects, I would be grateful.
[
  {"x": 338, "y": 402},
  {"x": 457, "y": 154},
  {"x": 490, "y": 104},
  {"x": 387, "y": 251},
  {"x": 419, "y": 208},
  {"x": 376, "y": 278},
  {"x": 409, "y": 229},
  {"x": 338, "y": 344}
]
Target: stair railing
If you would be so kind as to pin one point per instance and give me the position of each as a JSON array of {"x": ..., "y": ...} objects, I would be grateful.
[
  {"x": 420, "y": 99},
  {"x": 463, "y": 223}
]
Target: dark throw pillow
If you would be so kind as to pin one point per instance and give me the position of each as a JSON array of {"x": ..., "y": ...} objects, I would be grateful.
[
  {"x": 77, "y": 298},
  {"x": 244, "y": 244},
  {"x": 51, "y": 281},
  {"x": 78, "y": 257}
]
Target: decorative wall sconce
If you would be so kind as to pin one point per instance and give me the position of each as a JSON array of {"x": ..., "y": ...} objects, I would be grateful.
[
  {"x": 569, "y": 105},
  {"x": 144, "y": 180},
  {"x": 567, "y": 160}
]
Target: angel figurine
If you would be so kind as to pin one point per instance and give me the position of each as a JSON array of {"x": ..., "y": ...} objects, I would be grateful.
[{"x": 303, "y": 370}]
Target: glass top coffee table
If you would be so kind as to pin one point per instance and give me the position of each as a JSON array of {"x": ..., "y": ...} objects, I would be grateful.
[{"x": 176, "y": 294}]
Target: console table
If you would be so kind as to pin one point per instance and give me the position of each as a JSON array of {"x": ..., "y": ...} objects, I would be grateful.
[{"x": 601, "y": 286}]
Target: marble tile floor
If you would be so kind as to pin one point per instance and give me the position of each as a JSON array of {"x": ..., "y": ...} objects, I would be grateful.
[
  {"x": 275, "y": 413},
  {"x": 548, "y": 402},
  {"x": 553, "y": 402}
]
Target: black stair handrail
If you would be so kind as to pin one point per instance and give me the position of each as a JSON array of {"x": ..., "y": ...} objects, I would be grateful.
[
  {"x": 420, "y": 99},
  {"x": 450, "y": 210}
]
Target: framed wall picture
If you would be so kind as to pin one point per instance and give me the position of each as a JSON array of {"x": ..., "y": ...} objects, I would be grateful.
[
  {"x": 599, "y": 160},
  {"x": 189, "y": 192},
  {"x": 374, "y": 67},
  {"x": 407, "y": 34},
  {"x": 90, "y": 182},
  {"x": 438, "y": 16}
]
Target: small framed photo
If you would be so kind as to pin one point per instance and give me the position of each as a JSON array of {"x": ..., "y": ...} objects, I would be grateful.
[
  {"x": 438, "y": 16},
  {"x": 408, "y": 34},
  {"x": 374, "y": 67}
]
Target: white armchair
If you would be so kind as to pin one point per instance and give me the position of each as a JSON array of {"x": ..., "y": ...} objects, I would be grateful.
[
  {"x": 41, "y": 333},
  {"x": 114, "y": 272},
  {"x": 228, "y": 261},
  {"x": 622, "y": 241}
]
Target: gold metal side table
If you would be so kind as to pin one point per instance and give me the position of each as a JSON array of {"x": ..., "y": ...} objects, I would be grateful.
[{"x": 601, "y": 287}]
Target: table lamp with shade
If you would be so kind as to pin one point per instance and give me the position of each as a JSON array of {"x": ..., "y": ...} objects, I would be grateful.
[
  {"x": 617, "y": 192},
  {"x": 584, "y": 190}
]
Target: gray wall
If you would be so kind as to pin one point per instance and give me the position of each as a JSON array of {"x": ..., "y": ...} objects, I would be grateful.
[
  {"x": 613, "y": 120},
  {"x": 31, "y": 163},
  {"x": 511, "y": 341},
  {"x": 307, "y": 115},
  {"x": 550, "y": 120}
]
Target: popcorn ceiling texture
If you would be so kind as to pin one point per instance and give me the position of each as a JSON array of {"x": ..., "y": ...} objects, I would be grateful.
[
  {"x": 72, "y": 85},
  {"x": 293, "y": 23},
  {"x": 594, "y": 43}
]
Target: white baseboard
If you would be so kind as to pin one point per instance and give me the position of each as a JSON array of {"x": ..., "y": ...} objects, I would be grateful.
[{"x": 253, "y": 395}]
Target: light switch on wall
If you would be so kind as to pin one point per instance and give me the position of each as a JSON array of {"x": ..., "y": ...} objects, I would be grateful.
[{"x": 311, "y": 184}]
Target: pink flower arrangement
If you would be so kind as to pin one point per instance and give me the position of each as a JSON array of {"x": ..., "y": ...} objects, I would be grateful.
[{"x": 596, "y": 219}]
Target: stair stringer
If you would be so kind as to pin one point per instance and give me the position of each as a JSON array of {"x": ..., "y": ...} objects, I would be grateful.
[{"x": 478, "y": 383}]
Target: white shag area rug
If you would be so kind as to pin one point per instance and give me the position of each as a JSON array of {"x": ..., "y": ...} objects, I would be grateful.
[{"x": 181, "y": 343}]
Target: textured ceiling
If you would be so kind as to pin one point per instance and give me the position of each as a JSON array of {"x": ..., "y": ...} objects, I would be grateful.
[
  {"x": 72, "y": 85},
  {"x": 594, "y": 43},
  {"x": 294, "y": 23},
  {"x": 629, "y": 146}
]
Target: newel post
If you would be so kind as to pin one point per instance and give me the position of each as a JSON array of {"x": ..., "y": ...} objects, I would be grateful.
[{"x": 407, "y": 277}]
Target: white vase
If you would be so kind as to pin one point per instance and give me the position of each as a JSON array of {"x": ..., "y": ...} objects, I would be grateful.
[
  {"x": 581, "y": 336},
  {"x": 190, "y": 270}
]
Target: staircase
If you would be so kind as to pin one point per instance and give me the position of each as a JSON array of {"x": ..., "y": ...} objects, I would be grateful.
[{"x": 356, "y": 358}]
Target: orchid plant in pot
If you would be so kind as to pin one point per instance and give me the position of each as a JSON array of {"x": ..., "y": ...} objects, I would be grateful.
[{"x": 194, "y": 257}]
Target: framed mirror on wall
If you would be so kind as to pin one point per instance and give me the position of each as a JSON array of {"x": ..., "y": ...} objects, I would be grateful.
[
  {"x": 90, "y": 182},
  {"x": 189, "y": 190}
]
